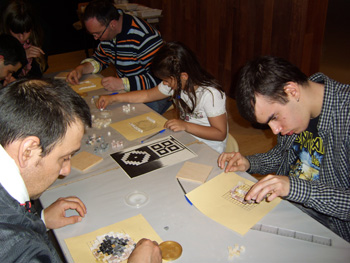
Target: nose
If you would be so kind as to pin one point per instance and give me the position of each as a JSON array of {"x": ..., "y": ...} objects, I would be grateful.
[
  {"x": 21, "y": 37},
  {"x": 65, "y": 170},
  {"x": 275, "y": 127}
]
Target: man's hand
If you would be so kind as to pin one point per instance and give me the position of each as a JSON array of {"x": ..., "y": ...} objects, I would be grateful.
[
  {"x": 112, "y": 84},
  {"x": 271, "y": 186},
  {"x": 55, "y": 214},
  {"x": 146, "y": 251},
  {"x": 75, "y": 75},
  {"x": 235, "y": 162}
]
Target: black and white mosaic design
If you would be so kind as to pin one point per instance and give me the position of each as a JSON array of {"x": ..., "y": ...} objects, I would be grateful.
[{"x": 152, "y": 156}]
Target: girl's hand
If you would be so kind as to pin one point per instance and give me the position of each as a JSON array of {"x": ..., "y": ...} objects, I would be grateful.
[
  {"x": 34, "y": 52},
  {"x": 175, "y": 125},
  {"x": 103, "y": 101}
]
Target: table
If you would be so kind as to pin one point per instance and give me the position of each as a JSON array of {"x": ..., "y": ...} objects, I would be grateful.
[{"x": 203, "y": 240}]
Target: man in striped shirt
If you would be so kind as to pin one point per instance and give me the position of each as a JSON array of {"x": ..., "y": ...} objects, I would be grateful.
[{"x": 127, "y": 42}]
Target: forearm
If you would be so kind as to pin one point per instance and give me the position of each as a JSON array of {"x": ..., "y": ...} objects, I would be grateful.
[
  {"x": 85, "y": 68},
  {"x": 206, "y": 132},
  {"x": 320, "y": 197},
  {"x": 138, "y": 96}
]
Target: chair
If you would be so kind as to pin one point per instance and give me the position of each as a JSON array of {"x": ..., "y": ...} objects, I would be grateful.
[{"x": 231, "y": 144}]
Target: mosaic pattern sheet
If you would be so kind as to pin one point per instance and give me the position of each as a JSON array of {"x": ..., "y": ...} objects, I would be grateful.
[
  {"x": 137, "y": 227},
  {"x": 153, "y": 155},
  {"x": 214, "y": 200},
  {"x": 149, "y": 123}
]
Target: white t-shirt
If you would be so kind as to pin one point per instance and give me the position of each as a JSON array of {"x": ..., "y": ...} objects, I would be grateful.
[{"x": 210, "y": 103}]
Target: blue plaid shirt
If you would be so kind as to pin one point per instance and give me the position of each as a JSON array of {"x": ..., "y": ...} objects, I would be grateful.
[{"x": 330, "y": 195}]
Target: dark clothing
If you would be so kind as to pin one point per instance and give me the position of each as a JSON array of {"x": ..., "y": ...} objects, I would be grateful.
[
  {"x": 330, "y": 195},
  {"x": 23, "y": 236}
]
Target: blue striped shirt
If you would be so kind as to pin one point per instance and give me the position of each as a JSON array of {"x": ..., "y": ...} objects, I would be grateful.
[{"x": 131, "y": 51}]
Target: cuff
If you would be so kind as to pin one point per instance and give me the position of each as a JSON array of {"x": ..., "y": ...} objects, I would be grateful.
[
  {"x": 94, "y": 63},
  {"x": 126, "y": 84},
  {"x": 43, "y": 218}
]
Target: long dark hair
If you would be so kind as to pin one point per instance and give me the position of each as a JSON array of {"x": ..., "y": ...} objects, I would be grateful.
[
  {"x": 20, "y": 17},
  {"x": 174, "y": 58}
]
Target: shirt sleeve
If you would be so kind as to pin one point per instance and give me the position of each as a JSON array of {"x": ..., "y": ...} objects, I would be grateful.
[{"x": 164, "y": 89}]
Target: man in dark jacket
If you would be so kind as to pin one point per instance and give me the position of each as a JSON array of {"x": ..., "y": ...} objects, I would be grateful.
[{"x": 42, "y": 123}]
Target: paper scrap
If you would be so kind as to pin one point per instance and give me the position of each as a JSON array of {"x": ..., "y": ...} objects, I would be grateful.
[
  {"x": 194, "y": 172},
  {"x": 85, "y": 160}
]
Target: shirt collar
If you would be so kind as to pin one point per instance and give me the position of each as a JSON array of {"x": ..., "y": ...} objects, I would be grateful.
[{"x": 11, "y": 178}]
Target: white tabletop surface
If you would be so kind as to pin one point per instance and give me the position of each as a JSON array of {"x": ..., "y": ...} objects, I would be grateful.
[{"x": 103, "y": 187}]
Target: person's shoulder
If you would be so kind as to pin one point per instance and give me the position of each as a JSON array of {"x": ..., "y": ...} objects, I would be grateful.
[
  {"x": 211, "y": 90},
  {"x": 140, "y": 25}
]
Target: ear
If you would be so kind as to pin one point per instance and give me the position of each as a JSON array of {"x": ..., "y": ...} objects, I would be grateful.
[
  {"x": 28, "y": 150},
  {"x": 2, "y": 58},
  {"x": 292, "y": 89},
  {"x": 113, "y": 23}
]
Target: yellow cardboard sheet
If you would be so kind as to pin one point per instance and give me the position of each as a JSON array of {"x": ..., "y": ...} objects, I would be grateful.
[
  {"x": 89, "y": 84},
  {"x": 85, "y": 160},
  {"x": 136, "y": 227},
  {"x": 214, "y": 200},
  {"x": 143, "y": 122}
]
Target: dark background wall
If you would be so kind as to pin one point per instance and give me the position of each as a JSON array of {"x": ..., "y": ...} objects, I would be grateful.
[
  {"x": 57, "y": 20},
  {"x": 224, "y": 34}
]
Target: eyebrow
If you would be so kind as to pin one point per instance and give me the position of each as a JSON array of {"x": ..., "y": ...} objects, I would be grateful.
[
  {"x": 270, "y": 118},
  {"x": 72, "y": 152}
]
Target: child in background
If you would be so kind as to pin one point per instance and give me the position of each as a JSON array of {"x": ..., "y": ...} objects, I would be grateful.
[
  {"x": 19, "y": 20},
  {"x": 195, "y": 93}
]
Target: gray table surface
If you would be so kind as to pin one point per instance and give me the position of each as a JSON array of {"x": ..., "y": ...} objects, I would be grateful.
[{"x": 103, "y": 187}]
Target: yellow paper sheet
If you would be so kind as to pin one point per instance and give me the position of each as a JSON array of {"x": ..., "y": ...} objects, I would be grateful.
[
  {"x": 214, "y": 200},
  {"x": 80, "y": 88},
  {"x": 141, "y": 121},
  {"x": 194, "y": 172},
  {"x": 136, "y": 227}
]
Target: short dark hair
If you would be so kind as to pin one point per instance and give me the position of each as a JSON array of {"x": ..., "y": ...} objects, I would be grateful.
[
  {"x": 42, "y": 108},
  {"x": 12, "y": 50},
  {"x": 266, "y": 76},
  {"x": 103, "y": 10}
]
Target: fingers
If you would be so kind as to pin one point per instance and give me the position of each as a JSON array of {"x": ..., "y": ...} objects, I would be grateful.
[
  {"x": 55, "y": 214},
  {"x": 112, "y": 84},
  {"x": 73, "y": 202},
  {"x": 174, "y": 125},
  {"x": 269, "y": 187},
  {"x": 223, "y": 158},
  {"x": 73, "y": 77},
  {"x": 71, "y": 220},
  {"x": 34, "y": 52},
  {"x": 101, "y": 102},
  {"x": 146, "y": 251}
]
